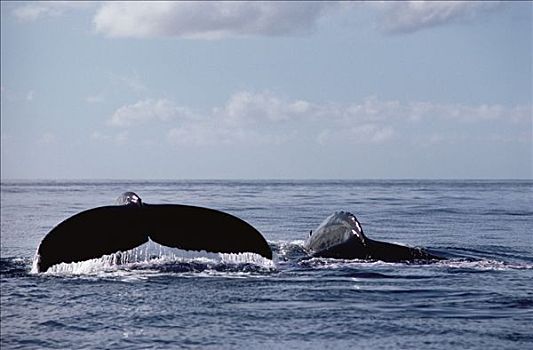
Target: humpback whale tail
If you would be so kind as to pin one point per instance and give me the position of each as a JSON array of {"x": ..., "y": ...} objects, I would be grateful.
[{"x": 105, "y": 230}]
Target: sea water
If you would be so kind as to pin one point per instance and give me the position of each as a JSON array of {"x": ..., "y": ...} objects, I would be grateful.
[{"x": 156, "y": 297}]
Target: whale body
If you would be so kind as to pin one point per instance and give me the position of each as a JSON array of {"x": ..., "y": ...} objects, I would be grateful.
[
  {"x": 341, "y": 236},
  {"x": 105, "y": 230}
]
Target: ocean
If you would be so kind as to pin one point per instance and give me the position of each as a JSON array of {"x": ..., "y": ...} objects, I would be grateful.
[{"x": 480, "y": 297}]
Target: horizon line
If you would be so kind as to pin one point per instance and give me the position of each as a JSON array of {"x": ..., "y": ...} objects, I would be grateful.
[{"x": 2, "y": 180}]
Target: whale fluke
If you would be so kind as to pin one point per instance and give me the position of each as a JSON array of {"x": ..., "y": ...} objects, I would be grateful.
[
  {"x": 105, "y": 230},
  {"x": 196, "y": 228}
]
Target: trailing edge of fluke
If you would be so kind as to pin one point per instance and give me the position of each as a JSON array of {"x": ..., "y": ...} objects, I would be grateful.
[{"x": 105, "y": 230}]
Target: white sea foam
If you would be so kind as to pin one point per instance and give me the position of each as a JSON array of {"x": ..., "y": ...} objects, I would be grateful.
[
  {"x": 150, "y": 255},
  {"x": 285, "y": 248},
  {"x": 479, "y": 265},
  {"x": 332, "y": 263},
  {"x": 483, "y": 265}
]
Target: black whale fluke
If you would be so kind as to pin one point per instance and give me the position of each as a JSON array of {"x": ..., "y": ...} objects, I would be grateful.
[
  {"x": 105, "y": 230},
  {"x": 196, "y": 228}
]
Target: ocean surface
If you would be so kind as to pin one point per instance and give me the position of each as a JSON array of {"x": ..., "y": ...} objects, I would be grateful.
[{"x": 481, "y": 297}]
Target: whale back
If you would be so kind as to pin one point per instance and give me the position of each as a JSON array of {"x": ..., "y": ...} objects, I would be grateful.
[
  {"x": 341, "y": 236},
  {"x": 337, "y": 229}
]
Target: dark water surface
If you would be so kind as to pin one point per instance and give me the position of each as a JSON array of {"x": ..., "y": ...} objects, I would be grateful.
[{"x": 480, "y": 298}]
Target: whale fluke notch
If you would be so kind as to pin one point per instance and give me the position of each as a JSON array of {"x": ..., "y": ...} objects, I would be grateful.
[{"x": 105, "y": 230}]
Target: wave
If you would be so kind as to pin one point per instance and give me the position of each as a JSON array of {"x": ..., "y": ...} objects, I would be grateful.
[
  {"x": 451, "y": 265},
  {"x": 152, "y": 259},
  {"x": 14, "y": 267},
  {"x": 482, "y": 265}
]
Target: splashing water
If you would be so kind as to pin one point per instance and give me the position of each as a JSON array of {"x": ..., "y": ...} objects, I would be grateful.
[{"x": 151, "y": 255}]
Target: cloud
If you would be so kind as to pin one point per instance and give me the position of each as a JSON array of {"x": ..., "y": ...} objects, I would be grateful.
[
  {"x": 244, "y": 107},
  {"x": 263, "y": 117},
  {"x": 205, "y": 135},
  {"x": 358, "y": 134},
  {"x": 246, "y": 117},
  {"x": 207, "y": 19},
  {"x": 119, "y": 138},
  {"x": 224, "y": 19},
  {"x": 372, "y": 109},
  {"x": 40, "y": 9},
  {"x": 416, "y": 111},
  {"x": 214, "y": 134},
  {"x": 411, "y": 16},
  {"x": 148, "y": 110},
  {"x": 371, "y": 133},
  {"x": 216, "y": 20}
]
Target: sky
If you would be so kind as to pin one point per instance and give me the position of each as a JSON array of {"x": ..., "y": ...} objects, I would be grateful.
[{"x": 266, "y": 90}]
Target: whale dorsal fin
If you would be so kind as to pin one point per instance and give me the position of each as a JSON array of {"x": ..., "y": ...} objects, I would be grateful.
[{"x": 129, "y": 198}]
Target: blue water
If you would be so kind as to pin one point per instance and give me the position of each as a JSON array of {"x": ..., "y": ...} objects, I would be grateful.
[{"x": 480, "y": 298}]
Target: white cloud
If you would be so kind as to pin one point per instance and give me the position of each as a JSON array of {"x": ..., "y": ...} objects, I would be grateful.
[
  {"x": 207, "y": 19},
  {"x": 244, "y": 107},
  {"x": 411, "y": 16},
  {"x": 358, "y": 134},
  {"x": 204, "y": 135},
  {"x": 270, "y": 119},
  {"x": 372, "y": 133},
  {"x": 146, "y": 111},
  {"x": 223, "y": 19},
  {"x": 416, "y": 111},
  {"x": 39, "y": 9},
  {"x": 212, "y": 133},
  {"x": 119, "y": 138},
  {"x": 372, "y": 109}
]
